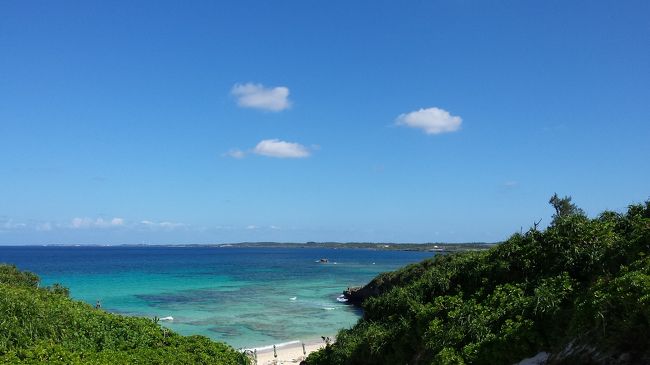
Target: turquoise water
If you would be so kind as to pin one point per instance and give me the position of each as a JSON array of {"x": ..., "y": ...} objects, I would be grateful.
[{"x": 247, "y": 297}]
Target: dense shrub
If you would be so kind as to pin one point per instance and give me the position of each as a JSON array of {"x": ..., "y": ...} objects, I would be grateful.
[
  {"x": 581, "y": 283},
  {"x": 45, "y": 326}
]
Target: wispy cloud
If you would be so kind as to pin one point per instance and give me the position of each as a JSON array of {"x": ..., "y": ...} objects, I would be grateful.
[
  {"x": 257, "y": 96},
  {"x": 11, "y": 224},
  {"x": 281, "y": 149},
  {"x": 161, "y": 225},
  {"x": 85, "y": 222},
  {"x": 431, "y": 120},
  {"x": 272, "y": 227},
  {"x": 89, "y": 224},
  {"x": 235, "y": 153}
]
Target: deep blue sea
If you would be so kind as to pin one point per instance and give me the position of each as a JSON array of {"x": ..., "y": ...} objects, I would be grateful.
[{"x": 247, "y": 297}]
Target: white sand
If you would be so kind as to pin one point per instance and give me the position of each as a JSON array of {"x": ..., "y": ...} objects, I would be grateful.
[{"x": 287, "y": 354}]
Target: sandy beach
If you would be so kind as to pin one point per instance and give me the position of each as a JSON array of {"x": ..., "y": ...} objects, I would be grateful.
[{"x": 290, "y": 353}]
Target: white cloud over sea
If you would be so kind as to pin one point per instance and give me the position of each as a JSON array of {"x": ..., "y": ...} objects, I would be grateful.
[
  {"x": 431, "y": 120},
  {"x": 257, "y": 96},
  {"x": 86, "y": 223},
  {"x": 163, "y": 225}
]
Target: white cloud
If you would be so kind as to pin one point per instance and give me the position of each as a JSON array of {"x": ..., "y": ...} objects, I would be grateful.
[
  {"x": 87, "y": 223},
  {"x": 162, "y": 225},
  {"x": 11, "y": 224},
  {"x": 431, "y": 120},
  {"x": 257, "y": 96},
  {"x": 281, "y": 149},
  {"x": 170, "y": 225},
  {"x": 117, "y": 222},
  {"x": 80, "y": 223},
  {"x": 235, "y": 153}
]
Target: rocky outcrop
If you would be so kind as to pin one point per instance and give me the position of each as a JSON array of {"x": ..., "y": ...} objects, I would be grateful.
[
  {"x": 384, "y": 282},
  {"x": 357, "y": 295}
]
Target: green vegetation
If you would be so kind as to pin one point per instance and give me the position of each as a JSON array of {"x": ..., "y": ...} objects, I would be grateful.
[
  {"x": 579, "y": 289},
  {"x": 42, "y": 325}
]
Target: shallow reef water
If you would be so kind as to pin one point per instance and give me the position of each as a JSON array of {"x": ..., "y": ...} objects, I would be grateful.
[{"x": 247, "y": 297}]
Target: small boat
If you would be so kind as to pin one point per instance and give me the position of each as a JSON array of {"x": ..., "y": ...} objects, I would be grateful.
[{"x": 323, "y": 261}]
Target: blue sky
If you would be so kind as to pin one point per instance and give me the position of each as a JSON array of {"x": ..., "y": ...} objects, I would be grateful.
[{"x": 207, "y": 122}]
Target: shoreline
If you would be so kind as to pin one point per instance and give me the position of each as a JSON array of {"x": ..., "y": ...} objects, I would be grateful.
[{"x": 290, "y": 352}]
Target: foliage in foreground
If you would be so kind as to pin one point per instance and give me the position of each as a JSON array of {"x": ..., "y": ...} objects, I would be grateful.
[
  {"x": 579, "y": 289},
  {"x": 42, "y": 325}
]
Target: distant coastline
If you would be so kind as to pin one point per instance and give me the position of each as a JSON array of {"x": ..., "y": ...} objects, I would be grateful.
[{"x": 384, "y": 246}]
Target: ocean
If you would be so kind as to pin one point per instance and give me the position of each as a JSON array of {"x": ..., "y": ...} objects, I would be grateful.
[{"x": 246, "y": 297}]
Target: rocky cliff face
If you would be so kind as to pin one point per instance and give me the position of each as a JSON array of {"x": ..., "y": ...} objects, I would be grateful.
[
  {"x": 385, "y": 282},
  {"x": 357, "y": 295}
]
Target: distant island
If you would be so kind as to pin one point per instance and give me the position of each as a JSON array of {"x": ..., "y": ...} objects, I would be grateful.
[
  {"x": 441, "y": 247},
  {"x": 433, "y": 247}
]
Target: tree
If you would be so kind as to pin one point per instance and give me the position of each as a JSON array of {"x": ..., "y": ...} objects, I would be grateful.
[{"x": 563, "y": 206}]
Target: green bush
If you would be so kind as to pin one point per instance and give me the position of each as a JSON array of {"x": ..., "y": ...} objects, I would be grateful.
[
  {"x": 10, "y": 275},
  {"x": 45, "y": 326},
  {"x": 582, "y": 281}
]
